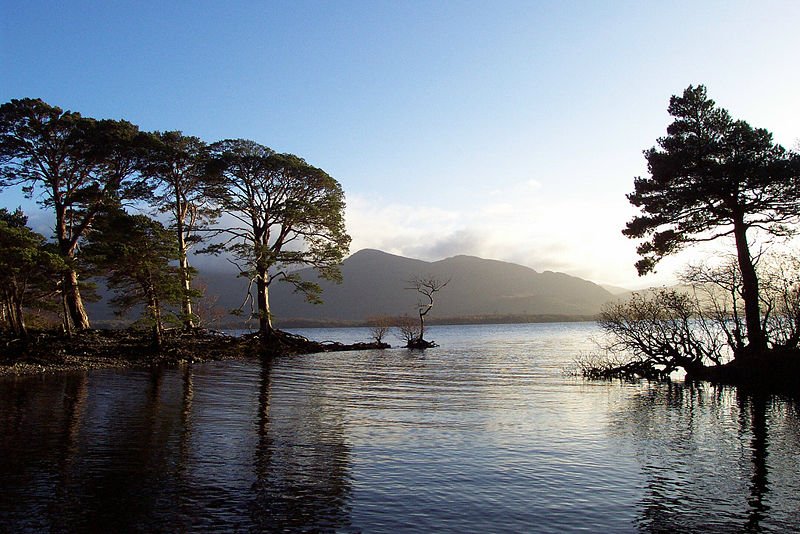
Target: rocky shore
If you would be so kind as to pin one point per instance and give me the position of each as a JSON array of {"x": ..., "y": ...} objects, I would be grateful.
[{"x": 44, "y": 352}]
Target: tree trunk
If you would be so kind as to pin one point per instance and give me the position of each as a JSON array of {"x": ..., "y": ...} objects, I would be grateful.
[
  {"x": 264, "y": 316},
  {"x": 71, "y": 291},
  {"x": 422, "y": 324},
  {"x": 12, "y": 310},
  {"x": 752, "y": 309},
  {"x": 155, "y": 313},
  {"x": 7, "y": 312},
  {"x": 19, "y": 319},
  {"x": 67, "y": 322},
  {"x": 72, "y": 297},
  {"x": 186, "y": 283}
]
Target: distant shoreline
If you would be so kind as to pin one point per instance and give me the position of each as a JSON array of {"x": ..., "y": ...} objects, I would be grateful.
[
  {"x": 113, "y": 345},
  {"x": 434, "y": 321},
  {"x": 442, "y": 321}
]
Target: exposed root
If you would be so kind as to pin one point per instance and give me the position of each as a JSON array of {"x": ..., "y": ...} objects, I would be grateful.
[
  {"x": 279, "y": 343},
  {"x": 420, "y": 344},
  {"x": 607, "y": 367}
]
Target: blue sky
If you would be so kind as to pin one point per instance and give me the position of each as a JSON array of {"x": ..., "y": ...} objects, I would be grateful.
[{"x": 509, "y": 130}]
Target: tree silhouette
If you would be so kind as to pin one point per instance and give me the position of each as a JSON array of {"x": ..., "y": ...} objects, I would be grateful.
[
  {"x": 426, "y": 287},
  {"x": 712, "y": 177}
]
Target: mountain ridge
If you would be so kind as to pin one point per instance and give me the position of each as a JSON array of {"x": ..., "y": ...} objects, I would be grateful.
[{"x": 375, "y": 283}]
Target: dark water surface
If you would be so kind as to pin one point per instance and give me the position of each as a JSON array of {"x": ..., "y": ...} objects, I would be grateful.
[{"x": 484, "y": 434}]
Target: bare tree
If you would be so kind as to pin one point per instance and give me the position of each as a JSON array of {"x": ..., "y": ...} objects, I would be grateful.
[
  {"x": 379, "y": 327},
  {"x": 702, "y": 329},
  {"x": 209, "y": 313},
  {"x": 662, "y": 331},
  {"x": 407, "y": 330},
  {"x": 426, "y": 287},
  {"x": 719, "y": 290}
]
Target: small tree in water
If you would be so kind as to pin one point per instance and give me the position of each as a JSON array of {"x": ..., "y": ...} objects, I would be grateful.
[
  {"x": 378, "y": 327},
  {"x": 426, "y": 287}
]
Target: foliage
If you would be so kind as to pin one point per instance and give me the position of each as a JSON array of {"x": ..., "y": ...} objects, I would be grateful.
[
  {"x": 178, "y": 164},
  {"x": 28, "y": 269},
  {"x": 75, "y": 166},
  {"x": 708, "y": 174},
  {"x": 287, "y": 214},
  {"x": 712, "y": 177},
  {"x": 86, "y": 170},
  {"x": 135, "y": 254}
]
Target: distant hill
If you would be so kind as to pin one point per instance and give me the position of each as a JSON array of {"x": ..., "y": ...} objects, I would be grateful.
[
  {"x": 616, "y": 290},
  {"x": 480, "y": 290}
]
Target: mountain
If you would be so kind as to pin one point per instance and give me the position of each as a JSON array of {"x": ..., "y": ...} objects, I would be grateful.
[
  {"x": 375, "y": 282},
  {"x": 615, "y": 290}
]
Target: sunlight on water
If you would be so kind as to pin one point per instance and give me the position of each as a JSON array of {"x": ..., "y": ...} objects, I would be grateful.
[{"x": 484, "y": 433}]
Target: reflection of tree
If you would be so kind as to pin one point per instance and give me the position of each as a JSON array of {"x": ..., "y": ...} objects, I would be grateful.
[
  {"x": 756, "y": 405},
  {"x": 263, "y": 453},
  {"x": 700, "y": 474},
  {"x": 41, "y": 422},
  {"x": 76, "y": 391},
  {"x": 187, "y": 399},
  {"x": 301, "y": 461},
  {"x": 129, "y": 454},
  {"x": 172, "y": 450}
]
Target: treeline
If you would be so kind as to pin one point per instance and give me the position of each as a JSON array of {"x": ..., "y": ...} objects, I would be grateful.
[{"x": 129, "y": 205}]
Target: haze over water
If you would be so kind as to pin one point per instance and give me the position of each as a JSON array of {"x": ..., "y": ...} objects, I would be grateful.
[{"x": 484, "y": 433}]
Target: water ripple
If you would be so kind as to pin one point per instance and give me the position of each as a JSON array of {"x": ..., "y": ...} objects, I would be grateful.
[{"x": 484, "y": 433}]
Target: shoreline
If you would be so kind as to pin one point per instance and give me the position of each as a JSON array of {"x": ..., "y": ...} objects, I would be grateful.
[{"x": 48, "y": 352}]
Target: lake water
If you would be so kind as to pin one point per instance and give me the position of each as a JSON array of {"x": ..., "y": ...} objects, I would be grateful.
[{"x": 482, "y": 434}]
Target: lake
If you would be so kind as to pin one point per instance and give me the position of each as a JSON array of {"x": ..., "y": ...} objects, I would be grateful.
[{"x": 482, "y": 434}]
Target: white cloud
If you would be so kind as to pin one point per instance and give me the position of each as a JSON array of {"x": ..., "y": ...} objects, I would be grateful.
[
  {"x": 522, "y": 225},
  {"x": 395, "y": 227}
]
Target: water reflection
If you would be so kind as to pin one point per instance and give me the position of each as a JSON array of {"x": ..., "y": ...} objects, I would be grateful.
[
  {"x": 162, "y": 450},
  {"x": 33, "y": 455},
  {"x": 483, "y": 434},
  {"x": 301, "y": 461},
  {"x": 756, "y": 407},
  {"x": 705, "y": 453}
]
